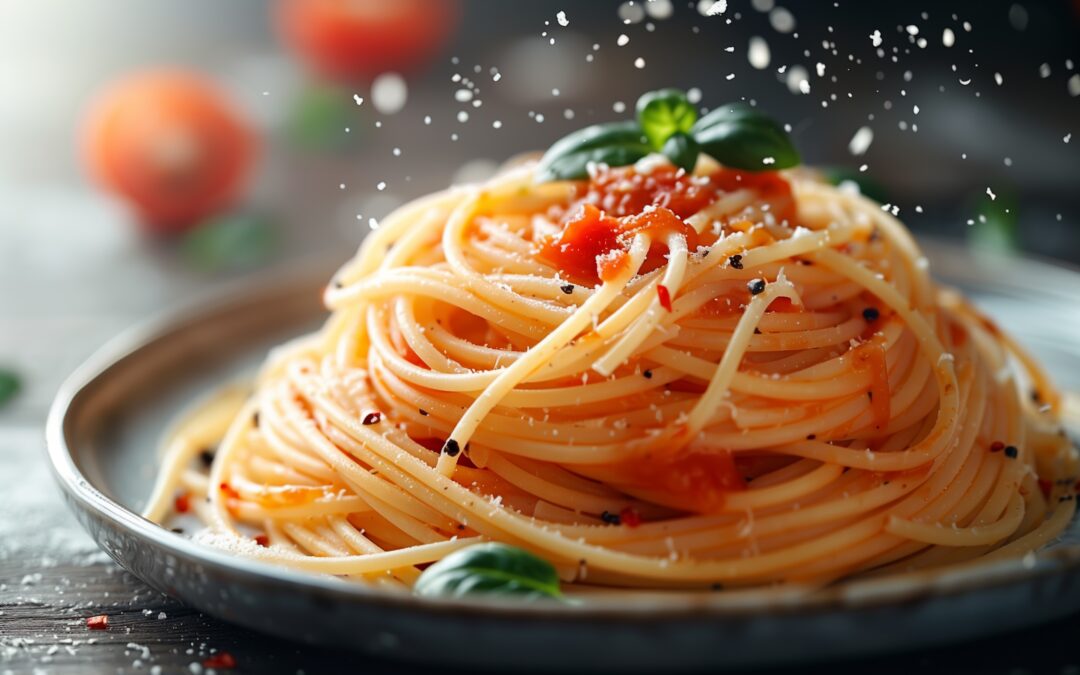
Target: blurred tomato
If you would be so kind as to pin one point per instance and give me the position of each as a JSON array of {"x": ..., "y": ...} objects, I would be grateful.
[
  {"x": 170, "y": 143},
  {"x": 358, "y": 39}
]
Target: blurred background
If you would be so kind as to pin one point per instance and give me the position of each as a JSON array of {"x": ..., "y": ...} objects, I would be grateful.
[{"x": 150, "y": 150}]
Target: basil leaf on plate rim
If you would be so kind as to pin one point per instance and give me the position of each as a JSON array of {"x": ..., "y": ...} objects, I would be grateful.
[
  {"x": 490, "y": 568},
  {"x": 9, "y": 385},
  {"x": 735, "y": 134}
]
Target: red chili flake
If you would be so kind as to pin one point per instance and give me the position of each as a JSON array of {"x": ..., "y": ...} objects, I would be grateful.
[
  {"x": 630, "y": 517},
  {"x": 230, "y": 491},
  {"x": 220, "y": 660},
  {"x": 1045, "y": 486},
  {"x": 262, "y": 540},
  {"x": 182, "y": 503},
  {"x": 99, "y": 622},
  {"x": 997, "y": 446},
  {"x": 665, "y": 297}
]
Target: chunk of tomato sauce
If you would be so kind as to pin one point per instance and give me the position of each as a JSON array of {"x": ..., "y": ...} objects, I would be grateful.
[
  {"x": 599, "y": 226},
  {"x": 696, "y": 482}
]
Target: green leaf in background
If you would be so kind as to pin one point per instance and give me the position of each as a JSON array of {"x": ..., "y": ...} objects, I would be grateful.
[
  {"x": 230, "y": 242},
  {"x": 740, "y": 137},
  {"x": 9, "y": 386},
  {"x": 868, "y": 187},
  {"x": 682, "y": 150},
  {"x": 614, "y": 144},
  {"x": 318, "y": 116},
  {"x": 995, "y": 227},
  {"x": 490, "y": 568},
  {"x": 663, "y": 113}
]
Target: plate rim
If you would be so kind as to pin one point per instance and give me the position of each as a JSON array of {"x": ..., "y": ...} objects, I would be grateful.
[{"x": 866, "y": 593}]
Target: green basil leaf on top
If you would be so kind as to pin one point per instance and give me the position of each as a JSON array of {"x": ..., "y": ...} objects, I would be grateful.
[
  {"x": 614, "y": 144},
  {"x": 682, "y": 150},
  {"x": 490, "y": 568},
  {"x": 740, "y": 137},
  {"x": 664, "y": 113}
]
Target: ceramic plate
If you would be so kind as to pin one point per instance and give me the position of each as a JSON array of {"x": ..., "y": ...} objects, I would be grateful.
[{"x": 106, "y": 423}]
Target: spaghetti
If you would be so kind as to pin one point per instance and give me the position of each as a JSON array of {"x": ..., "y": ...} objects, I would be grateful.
[{"x": 650, "y": 378}]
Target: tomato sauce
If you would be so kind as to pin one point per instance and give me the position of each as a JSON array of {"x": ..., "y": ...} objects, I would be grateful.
[
  {"x": 870, "y": 357},
  {"x": 696, "y": 482},
  {"x": 620, "y": 203}
]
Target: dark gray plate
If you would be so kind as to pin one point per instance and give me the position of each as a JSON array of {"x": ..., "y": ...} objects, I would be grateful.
[{"x": 108, "y": 418}]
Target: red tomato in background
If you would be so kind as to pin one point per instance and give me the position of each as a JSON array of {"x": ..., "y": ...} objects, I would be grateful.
[
  {"x": 358, "y": 39},
  {"x": 169, "y": 142}
]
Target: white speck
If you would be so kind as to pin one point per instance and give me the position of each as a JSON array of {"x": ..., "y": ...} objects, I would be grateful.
[
  {"x": 561, "y": 18},
  {"x": 266, "y": 93},
  {"x": 162, "y": 616},
  {"x": 861, "y": 141},
  {"x": 948, "y": 38},
  {"x": 693, "y": 95},
  {"x": 758, "y": 54},
  {"x": 796, "y": 80},
  {"x": 622, "y": 40},
  {"x": 998, "y": 79},
  {"x": 389, "y": 93},
  {"x": 618, "y": 106},
  {"x": 462, "y": 116},
  {"x": 762, "y": 5},
  {"x": 768, "y": 160},
  {"x": 965, "y": 82},
  {"x": 1044, "y": 70},
  {"x": 863, "y": 168},
  {"x": 1008, "y": 161},
  {"x": 729, "y": 77},
  {"x": 990, "y": 194},
  {"x": 639, "y": 63},
  {"x": 659, "y": 9},
  {"x": 711, "y": 7},
  {"x": 381, "y": 186},
  {"x": 497, "y": 124},
  {"x": 913, "y": 30},
  {"x": 1074, "y": 85},
  {"x": 358, "y": 98},
  {"x": 1068, "y": 137},
  {"x": 539, "y": 118},
  {"x": 496, "y": 77},
  {"x": 782, "y": 20},
  {"x": 967, "y": 26},
  {"x": 397, "y": 152},
  {"x": 632, "y": 12},
  {"x": 915, "y": 109},
  {"x": 195, "y": 667},
  {"x": 820, "y": 68},
  {"x": 568, "y": 114},
  {"x": 1018, "y": 17},
  {"x": 875, "y": 38},
  {"x": 341, "y": 186},
  {"x": 372, "y": 223},
  {"x": 463, "y": 95},
  {"x": 427, "y": 120}
]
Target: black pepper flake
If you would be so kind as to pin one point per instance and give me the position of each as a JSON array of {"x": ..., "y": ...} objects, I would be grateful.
[
  {"x": 255, "y": 418},
  {"x": 177, "y": 530},
  {"x": 757, "y": 331},
  {"x": 451, "y": 448},
  {"x": 423, "y": 412},
  {"x": 568, "y": 288},
  {"x": 373, "y": 417},
  {"x": 735, "y": 261},
  {"x": 756, "y": 286},
  {"x": 705, "y": 253},
  {"x": 1011, "y": 452},
  {"x": 871, "y": 314},
  {"x": 718, "y": 587},
  {"x": 870, "y": 395},
  {"x": 611, "y": 518},
  {"x": 207, "y": 457},
  {"x": 1035, "y": 396},
  {"x": 461, "y": 526},
  {"x": 647, "y": 374},
  {"x": 337, "y": 284},
  {"x": 811, "y": 437}
]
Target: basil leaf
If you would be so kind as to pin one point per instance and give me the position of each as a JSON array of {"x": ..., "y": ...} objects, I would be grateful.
[
  {"x": 614, "y": 144},
  {"x": 740, "y": 137},
  {"x": 230, "y": 242},
  {"x": 490, "y": 568},
  {"x": 9, "y": 385},
  {"x": 682, "y": 150},
  {"x": 663, "y": 113}
]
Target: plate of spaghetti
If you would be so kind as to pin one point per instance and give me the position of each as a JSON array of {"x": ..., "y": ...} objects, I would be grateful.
[{"x": 662, "y": 396}]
